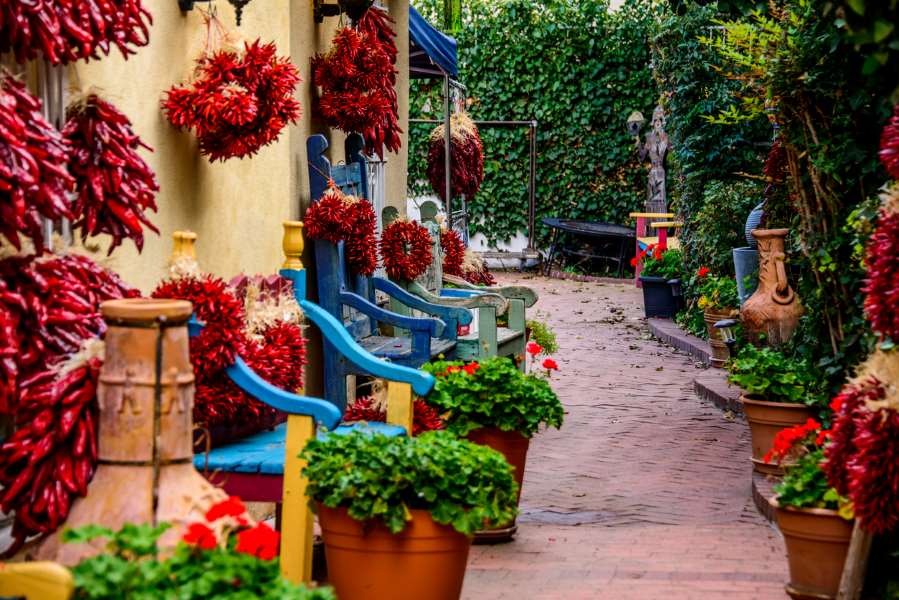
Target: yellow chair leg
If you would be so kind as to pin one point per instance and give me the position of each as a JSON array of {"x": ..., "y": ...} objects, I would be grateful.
[
  {"x": 296, "y": 517},
  {"x": 36, "y": 581},
  {"x": 399, "y": 405}
]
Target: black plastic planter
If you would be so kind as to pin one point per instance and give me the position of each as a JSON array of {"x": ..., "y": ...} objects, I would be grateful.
[{"x": 659, "y": 299}]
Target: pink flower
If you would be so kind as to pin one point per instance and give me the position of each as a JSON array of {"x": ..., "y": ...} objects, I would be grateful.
[{"x": 550, "y": 365}]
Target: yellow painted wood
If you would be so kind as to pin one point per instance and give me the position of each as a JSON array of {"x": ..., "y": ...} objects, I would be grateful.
[
  {"x": 185, "y": 245},
  {"x": 293, "y": 244},
  {"x": 666, "y": 224},
  {"x": 399, "y": 405},
  {"x": 36, "y": 581},
  {"x": 642, "y": 215},
  {"x": 673, "y": 243},
  {"x": 296, "y": 517}
]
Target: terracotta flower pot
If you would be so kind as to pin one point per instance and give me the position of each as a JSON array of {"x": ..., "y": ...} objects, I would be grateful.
[
  {"x": 720, "y": 354},
  {"x": 766, "y": 420},
  {"x": 817, "y": 542},
  {"x": 514, "y": 446},
  {"x": 368, "y": 562}
]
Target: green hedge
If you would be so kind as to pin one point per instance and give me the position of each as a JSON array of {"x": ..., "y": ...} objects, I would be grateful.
[{"x": 579, "y": 70}]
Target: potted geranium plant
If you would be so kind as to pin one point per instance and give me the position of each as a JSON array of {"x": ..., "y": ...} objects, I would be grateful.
[
  {"x": 815, "y": 520},
  {"x": 397, "y": 513},
  {"x": 661, "y": 280},
  {"x": 778, "y": 392},
  {"x": 495, "y": 404},
  {"x": 719, "y": 300},
  {"x": 226, "y": 556}
]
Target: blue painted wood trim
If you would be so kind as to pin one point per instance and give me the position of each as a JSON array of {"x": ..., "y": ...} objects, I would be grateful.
[
  {"x": 340, "y": 339},
  {"x": 433, "y": 327},
  {"x": 319, "y": 166},
  {"x": 246, "y": 379},
  {"x": 457, "y": 293},
  {"x": 353, "y": 148},
  {"x": 448, "y": 313}
]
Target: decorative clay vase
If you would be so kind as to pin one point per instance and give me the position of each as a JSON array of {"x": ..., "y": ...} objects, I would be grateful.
[
  {"x": 774, "y": 309},
  {"x": 146, "y": 392}
]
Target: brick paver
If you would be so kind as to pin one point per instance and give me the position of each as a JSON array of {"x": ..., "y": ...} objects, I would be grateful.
[{"x": 645, "y": 492}]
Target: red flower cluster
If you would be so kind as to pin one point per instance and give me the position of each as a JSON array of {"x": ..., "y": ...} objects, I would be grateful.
[
  {"x": 703, "y": 272},
  {"x": 882, "y": 282},
  {"x": 220, "y": 405},
  {"x": 115, "y": 186},
  {"x": 889, "y": 145},
  {"x": 357, "y": 78},
  {"x": 238, "y": 103},
  {"x": 653, "y": 252},
  {"x": 33, "y": 179},
  {"x": 861, "y": 456},
  {"x": 424, "y": 418},
  {"x": 406, "y": 250},
  {"x": 467, "y": 159},
  {"x": 259, "y": 540},
  {"x": 336, "y": 218},
  {"x": 788, "y": 439},
  {"x": 50, "y": 307},
  {"x": 533, "y": 348},
  {"x": 453, "y": 252},
  {"x": 200, "y": 535},
  {"x": 550, "y": 365},
  {"x": 63, "y": 32}
]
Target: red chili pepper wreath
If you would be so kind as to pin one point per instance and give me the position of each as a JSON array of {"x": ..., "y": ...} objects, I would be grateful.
[
  {"x": 219, "y": 405},
  {"x": 882, "y": 282},
  {"x": 358, "y": 83},
  {"x": 33, "y": 178},
  {"x": 115, "y": 185},
  {"x": 889, "y": 145},
  {"x": 54, "y": 304},
  {"x": 424, "y": 417},
  {"x": 238, "y": 103},
  {"x": 460, "y": 262},
  {"x": 467, "y": 153},
  {"x": 66, "y": 31},
  {"x": 406, "y": 250},
  {"x": 337, "y": 218}
]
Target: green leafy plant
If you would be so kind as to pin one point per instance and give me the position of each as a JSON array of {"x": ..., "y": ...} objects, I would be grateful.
[
  {"x": 718, "y": 293},
  {"x": 543, "y": 335},
  {"x": 131, "y": 569},
  {"x": 378, "y": 477},
  {"x": 774, "y": 377},
  {"x": 493, "y": 393},
  {"x": 668, "y": 264},
  {"x": 805, "y": 485},
  {"x": 718, "y": 226}
]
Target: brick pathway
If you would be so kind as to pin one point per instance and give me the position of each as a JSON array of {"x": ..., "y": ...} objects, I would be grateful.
[{"x": 645, "y": 492}]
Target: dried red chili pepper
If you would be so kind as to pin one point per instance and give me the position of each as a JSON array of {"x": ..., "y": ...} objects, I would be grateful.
[
  {"x": 115, "y": 185},
  {"x": 406, "y": 249},
  {"x": 33, "y": 179},
  {"x": 467, "y": 153},
  {"x": 424, "y": 417},
  {"x": 336, "y": 218}
]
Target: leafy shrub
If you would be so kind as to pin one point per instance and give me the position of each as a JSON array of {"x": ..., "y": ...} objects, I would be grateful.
[
  {"x": 805, "y": 485},
  {"x": 718, "y": 293},
  {"x": 717, "y": 227},
  {"x": 774, "y": 377},
  {"x": 543, "y": 335},
  {"x": 493, "y": 393},
  {"x": 665, "y": 263},
  {"x": 378, "y": 477}
]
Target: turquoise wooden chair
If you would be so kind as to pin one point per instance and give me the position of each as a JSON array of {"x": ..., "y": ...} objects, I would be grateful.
[{"x": 266, "y": 467}]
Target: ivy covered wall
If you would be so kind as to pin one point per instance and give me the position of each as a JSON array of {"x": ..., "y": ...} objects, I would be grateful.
[{"x": 577, "y": 68}]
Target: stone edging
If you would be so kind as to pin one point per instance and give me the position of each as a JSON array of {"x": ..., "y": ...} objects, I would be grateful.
[
  {"x": 713, "y": 387},
  {"x": 557, "y": 274},
  {"x": 667, "y": 331},
  {"x": 762, "y": 492}
]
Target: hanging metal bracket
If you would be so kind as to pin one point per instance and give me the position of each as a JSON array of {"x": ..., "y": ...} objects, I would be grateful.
[
  {"x": 188, "y": 5},
  {"x": 354, "y": 9}
]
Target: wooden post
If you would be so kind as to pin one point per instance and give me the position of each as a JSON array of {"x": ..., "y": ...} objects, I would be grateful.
[
  {"x": 296, "y": 517},
  {"x": 853, "y": 581},
  {"x": 399, "y": 405},
  {"x": 641, "y": 231},
  {"x": 293, "y": 244},
  {"x": 184, "y": 245}
]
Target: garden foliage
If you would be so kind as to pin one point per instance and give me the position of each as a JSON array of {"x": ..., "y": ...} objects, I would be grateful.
[{"x": 774, "y": 377}]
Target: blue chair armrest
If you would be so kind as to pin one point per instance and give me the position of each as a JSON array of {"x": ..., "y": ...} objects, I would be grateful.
[
  {"x": 434, "y": 327},
  {"x": 463, "y": 316},
  {"x": 340, "y": 338},
  {"x": 457, "y": 293}
]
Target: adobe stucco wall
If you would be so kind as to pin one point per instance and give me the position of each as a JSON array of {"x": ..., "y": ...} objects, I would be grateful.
[{"x": 235, "y": 207}]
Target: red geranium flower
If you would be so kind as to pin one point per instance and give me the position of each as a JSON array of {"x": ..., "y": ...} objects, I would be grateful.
[
  {"x": 471, "y": 368},
  {"x": 200, "y": 535},
  {"x": 550, "y": 365},
  {"x": 232, "y": 507},
  {"x": 260, "y": 541},
  {"x": 703, "y": 272},
  {"x": 657, "y": 253},
  {"x": 534, "y": 348},
  {"x": 787, "y": 438}
]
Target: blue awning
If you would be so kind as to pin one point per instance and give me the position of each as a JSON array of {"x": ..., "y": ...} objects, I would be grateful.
[{"x": 431, "y": 52}]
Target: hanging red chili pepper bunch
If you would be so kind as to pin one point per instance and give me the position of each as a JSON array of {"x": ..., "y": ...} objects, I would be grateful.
[
  {"x": 467, "y": 154},
  {"x": 475, "y": 270},
  {"x": 406, "y": 250},
  {"x": 337, "y": 217},
  {"x": 33, "y": 178},
  {"x": 219, "y": 405},
  {"x": 52, "y": 455},
  {"x": 70, "y": 30},
  {"x": 889, "y": 145},
  {"x": 358, "y": 83},
  {"x": 115, "y": 185},
  {"x": 424, "y": 417},
  {"x": 882, "y": 282},
  {"x": 238, "y": 103},
  {"x": 453, "y": 252}
]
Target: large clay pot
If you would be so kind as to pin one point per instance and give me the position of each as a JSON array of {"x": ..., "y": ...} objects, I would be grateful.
[
  {"x": 817, "y": 542},
  {"x": 146, "y": 390},
  {"x": 774, "y": 309},
  {"x": 720, "y": 354},
  {"x": 766, "y": 420},
  {"x": 514, "y": 447},
  {"x": 368, "y": 562}
]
